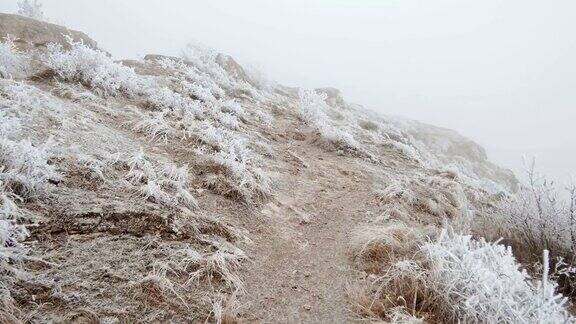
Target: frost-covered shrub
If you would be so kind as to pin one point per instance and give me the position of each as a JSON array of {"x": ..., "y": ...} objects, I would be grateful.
[
  {"x": 478, "y": 281},
  {"x": 312, "y": 108},
  {"x": 456, "y": 278},
  {"x": 534, "y": 219},
  {"x": 31, "y": 9},
  {"x": 93, "y": 68},
  {"x": 537, "y": 216},
  {"x": 10, "y": 60}
]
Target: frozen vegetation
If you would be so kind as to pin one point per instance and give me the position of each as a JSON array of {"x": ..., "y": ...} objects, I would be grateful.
[{"x": 150, "y": 151}]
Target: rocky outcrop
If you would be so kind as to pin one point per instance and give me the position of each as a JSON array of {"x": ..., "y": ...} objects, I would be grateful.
[
  {"x": 29, "y": 33},
  {"x": 451, "y": 146}
]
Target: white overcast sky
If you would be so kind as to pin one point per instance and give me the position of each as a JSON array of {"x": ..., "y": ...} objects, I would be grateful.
[{"x": 500, "y": 72}]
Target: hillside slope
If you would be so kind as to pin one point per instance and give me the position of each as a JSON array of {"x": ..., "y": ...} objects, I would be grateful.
[{"x": 185, "y": 189}]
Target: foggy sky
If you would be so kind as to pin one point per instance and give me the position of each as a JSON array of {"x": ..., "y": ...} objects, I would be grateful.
[{"x": 500, "y": 72}]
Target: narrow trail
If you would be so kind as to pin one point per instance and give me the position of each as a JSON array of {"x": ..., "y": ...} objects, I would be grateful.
[{"x": 300, "y": 265}]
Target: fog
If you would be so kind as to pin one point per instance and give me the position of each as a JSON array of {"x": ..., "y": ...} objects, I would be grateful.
[{"x": 500, "y": 72}]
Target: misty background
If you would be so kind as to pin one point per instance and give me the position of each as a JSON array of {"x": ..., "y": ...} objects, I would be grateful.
[{"x": 499, "y": 72}]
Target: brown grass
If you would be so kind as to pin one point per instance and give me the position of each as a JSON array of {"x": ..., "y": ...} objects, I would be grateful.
[
  {"x": 395, "y": 289},
  {"x": 83, "y": 316},
  {"x": 375, "y": 247}
]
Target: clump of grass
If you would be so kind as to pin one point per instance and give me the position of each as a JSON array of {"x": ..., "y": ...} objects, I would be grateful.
[
  {"x": 221, "y": 265},
  {"x": 375, "y": 246},
  {"x": 434, "y": 196},
  {"x": 163, "y": 183},
  {"x": 225, "y": 309},
  {"x": 157, "y": 286},
  {"x": 25, "y": 168},
  {"x": 312, "y": 108}
]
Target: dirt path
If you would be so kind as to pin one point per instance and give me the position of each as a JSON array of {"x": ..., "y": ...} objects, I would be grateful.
[{"x": 301, "y": 266}]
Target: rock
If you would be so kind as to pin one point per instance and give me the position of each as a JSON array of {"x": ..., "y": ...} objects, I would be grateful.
[
  {"x": 234, "y": 69},
  {"x": 30, "y": 34}
]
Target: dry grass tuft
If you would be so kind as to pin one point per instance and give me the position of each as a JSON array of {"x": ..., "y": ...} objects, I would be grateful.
[
  {"x": 9, "y": 313},
  {"x": 83, "y": 316},
  {"x": 374, "y": 246},
  {"x": 219, "y": 266},
  {"x": 155, "y": 288},
  {"x": 400, "y": 291},
  {"x": 225, "y": 309},
  {"x": 424, "y": 197}
]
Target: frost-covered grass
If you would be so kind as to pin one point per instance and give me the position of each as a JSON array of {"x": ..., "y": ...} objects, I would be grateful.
[
  {"x": 93, "y": 68},
  {"x": 25, "y": 168},
  {"x": 11, "y": 231},
  {"x": 163, "y": 183},
  {"x": 409, "y": 198},
  {"x": 208, "y": 66},
  {"x": 11, "y": 61},
  {"x": 456, "y": 278},
  {"x": 225, "y": 309},
  {"x": 187, "y": 270},
  {"x": 349, "y": 126},
  {"x": 247, "y": 180},
  {"x": 312, "y": 108},
  {"x": 26, "y": 171},
  {"x": 198, "y": 74},
  {"x": 157, "y": 285},
  {"x": 220, "y": 265},
  {"x": 374, "y": 246},
  {"x": 214, "y": 120},
  {"x": 238, "y": 173},
  {"x": 196, "y": 81},
  {"x": 201, "y": 110}
]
